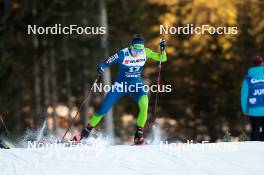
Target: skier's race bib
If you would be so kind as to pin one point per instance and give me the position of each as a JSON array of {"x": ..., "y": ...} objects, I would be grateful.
[{"x": 132, "y": 66}]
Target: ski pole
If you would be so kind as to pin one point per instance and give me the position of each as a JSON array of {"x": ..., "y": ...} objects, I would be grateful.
[
  {"x": 83, "y": 103},
  {"x": 1, "y": 118},
  {"x": 157, "y": 93}
]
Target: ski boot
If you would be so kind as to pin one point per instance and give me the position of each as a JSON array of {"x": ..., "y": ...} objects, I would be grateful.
[
  {"x": 82, "y": 135},
  {"x": 138, "y": 138}
]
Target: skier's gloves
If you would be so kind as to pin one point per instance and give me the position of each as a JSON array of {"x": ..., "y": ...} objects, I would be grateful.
[
  {"x": 100, "y": 70},
  {"x": 163, "y": 44}
]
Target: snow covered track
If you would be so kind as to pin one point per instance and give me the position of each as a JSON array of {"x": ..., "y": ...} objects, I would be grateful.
[{"x": 245, "y": 159}]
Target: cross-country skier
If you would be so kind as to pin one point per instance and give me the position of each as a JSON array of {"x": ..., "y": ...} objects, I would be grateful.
[
  {"x": 252, "y": 98},
  {"x": 131, "y": 61}
]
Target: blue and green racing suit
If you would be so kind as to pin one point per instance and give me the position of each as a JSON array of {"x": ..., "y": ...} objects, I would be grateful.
[{"x": 129, "y": 75}]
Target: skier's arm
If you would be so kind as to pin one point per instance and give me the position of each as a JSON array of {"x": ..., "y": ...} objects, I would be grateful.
[
  {"x": 111, "y": 60},
  {"x": 156, "y": 56},
  {"x": 244, "y": 97}
]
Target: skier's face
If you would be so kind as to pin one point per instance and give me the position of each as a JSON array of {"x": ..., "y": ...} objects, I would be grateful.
[
  {"x": 136, "y": 53},
  {"x": 137, "y": 50}
]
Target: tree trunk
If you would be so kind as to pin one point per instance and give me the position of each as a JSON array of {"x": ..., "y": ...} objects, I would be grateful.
[
  {"x": 54, "y": 95},
  {"x": 37, "y": 93},
  {"x": 17, "y": 107},
  {"x": 45, "y": 82},
  {"x": 37, "y": 76},
  {"x": 6, "y": 5},
  {"x": 68, "y": 78},
  {"x": 68, "y": 87},
  {"x": 107, "y": 74}
]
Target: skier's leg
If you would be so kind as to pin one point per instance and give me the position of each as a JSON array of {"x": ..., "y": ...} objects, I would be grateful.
[
  {"x": 95, "y": 119},
  {"x": 143, "y": 111},
  {"x": 262, "y": 128},
  {"x": 111, "y": 98},
  {"x": 140, "y": 96},
  {"x": 141, "y": 120},
  {"x": 255, "y": 128}
]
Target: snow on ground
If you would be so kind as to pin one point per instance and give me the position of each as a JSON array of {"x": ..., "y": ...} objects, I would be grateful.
[{"x": 242, "y": 158}]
